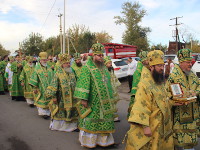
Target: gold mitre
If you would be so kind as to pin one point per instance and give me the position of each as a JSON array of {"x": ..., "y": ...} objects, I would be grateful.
[
  {"x": 64, "y": 58},
  {"x": 155, "y": 57},
  {"x": 43, "y": 55}
]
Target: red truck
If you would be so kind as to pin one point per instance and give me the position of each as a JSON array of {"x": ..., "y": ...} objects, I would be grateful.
[{"x": 116, "y": 51}]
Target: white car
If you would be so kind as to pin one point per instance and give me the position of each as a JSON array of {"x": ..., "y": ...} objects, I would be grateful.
[
  {"x": 173, "y": 57},
  {"x": 120, "y": 67},
  {"x": 196, "y": 67}
]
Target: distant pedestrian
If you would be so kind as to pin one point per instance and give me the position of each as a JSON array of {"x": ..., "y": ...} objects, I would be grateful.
[
  {"x": 132, "y": 64},
  {"x": 169, "y": 66}
]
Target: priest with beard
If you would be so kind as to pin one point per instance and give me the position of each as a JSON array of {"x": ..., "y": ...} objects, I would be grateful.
[
  {"x": 16, "y": 88},
  {"x": 24, "y": 78},
  {"x": 64, "y": 115},
  {"x": 185, "y": 117},
  {"x": 150, "y": 117},
  {"x": 115, "y": 84},
  {"x": 40, "y": 79},
  {"x": 77, "y": 65},
  {"x": 96, "y": 108}
]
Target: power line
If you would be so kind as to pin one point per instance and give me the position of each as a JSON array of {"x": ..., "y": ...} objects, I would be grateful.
[
  {"x": 191, "y": 29},
  {"x": 48, "y": 15},
  {"x": 29, "y": 12}
]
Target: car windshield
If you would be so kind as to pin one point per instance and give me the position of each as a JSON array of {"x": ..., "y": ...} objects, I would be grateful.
[{"x": 120, "y": 63}]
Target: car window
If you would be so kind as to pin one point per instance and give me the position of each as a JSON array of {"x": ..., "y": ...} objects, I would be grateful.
[
  {"x": 120, "y": 63},
  {"x": 198, "y": 58},
  {"x": 110, "y": 50},
  {"x": 137, "y": 58},
  {"x": 167, "y": 57}
]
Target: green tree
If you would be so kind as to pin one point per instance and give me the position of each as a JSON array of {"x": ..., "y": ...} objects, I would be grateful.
[
  {"x": 86, "y": 41},
  {"x": 159, "y": 47},
  {"x": 52, "y": 45},
  {"x": 76, "y": 34},
  {"x": 135, "y": 34},
  {"x": 103, "y": 37},
  {"x": 34, "y": 44},
  {"x": 194, "y": 45},
  {"x": 3, "y": 51}
]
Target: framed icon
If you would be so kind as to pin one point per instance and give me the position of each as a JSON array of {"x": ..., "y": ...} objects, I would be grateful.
[{"x": 176, "y": 90}]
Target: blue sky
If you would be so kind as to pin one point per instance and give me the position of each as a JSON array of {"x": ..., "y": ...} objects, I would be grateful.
[{"x": 18, "y": 18}]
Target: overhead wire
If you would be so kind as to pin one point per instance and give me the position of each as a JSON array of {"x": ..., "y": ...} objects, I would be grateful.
[{"x": 48, "y": 15}]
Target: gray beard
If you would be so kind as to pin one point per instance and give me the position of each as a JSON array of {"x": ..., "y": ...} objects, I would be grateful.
[
  {"x": 187, "y": 72},
  {"x": 44, "y": 64},
  {"x": 67, "y": 70},
  {"x": 30, "y": 65}
]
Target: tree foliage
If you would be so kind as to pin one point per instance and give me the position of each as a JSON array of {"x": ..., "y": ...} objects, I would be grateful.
[
  {"x": 33, "y": 44},
  {"x": 159, "y": 47},
  {"x": 80, "y": 40},
  {"x": 3, "y": 51},
  {"x": 135, "y": 34},
  {"x": 103, "y": 37},
  {"x": 194, "y": 45}
]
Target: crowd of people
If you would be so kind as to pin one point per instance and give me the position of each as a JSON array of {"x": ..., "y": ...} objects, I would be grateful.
[{"x": 81, "y": 95}]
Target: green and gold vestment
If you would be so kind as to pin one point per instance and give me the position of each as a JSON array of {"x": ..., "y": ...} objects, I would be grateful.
[
  {"x": 2, "y": 71},
  {"x": 186, "y": 117},
  {"x": 76, "y": 69},
  {"x": 62, "y": 88},
  {"x": 4, "y": 64},
  {"x": 151, "y": 108},
  {"x": 16, "y": 88},
  {"x": 40, "y": 80},
  {"x": 94, "y": 86},
  {"x": 115, "y": 84},
  {"x": 136, "y": 80},
  {"x": 25, "y": 78},
  {"x": 51, "y": 64}
]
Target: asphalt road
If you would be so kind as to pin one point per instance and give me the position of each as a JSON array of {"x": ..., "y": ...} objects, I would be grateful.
[{"x": 22, "y": 129}]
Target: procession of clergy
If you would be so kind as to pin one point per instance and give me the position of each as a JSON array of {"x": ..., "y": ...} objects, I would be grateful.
[{"x": 83, "y": 98}]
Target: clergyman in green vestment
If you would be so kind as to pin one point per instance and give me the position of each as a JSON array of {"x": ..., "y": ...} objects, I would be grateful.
[
  {"x": 16, "y": 88},
  {"x": 64, "y": 115},
  {"x": 3, "y": 82},
  {"x": 115, "y": 84},
  {"x": 96, "y": 109},
  {"x": 186, "y": 119},
  {"x": 77, "y": 65},
  {"x": 25, "y": 78},
  {"x": 40, "y": 80},
  {"x": 136, "y": 77}
]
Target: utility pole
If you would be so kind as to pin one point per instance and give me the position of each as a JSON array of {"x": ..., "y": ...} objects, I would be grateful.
[
  {"x": 61, "y": 43},
  {"x": 64, "y": 34},
  {"x": 68, "y": 38},
  {"x": 176, "y": 30}
]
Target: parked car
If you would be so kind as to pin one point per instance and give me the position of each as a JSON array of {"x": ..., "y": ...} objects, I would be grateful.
[
  {"x": 194, "y": 58},
  {"x": 120, "y": 67},
  {"x": 136, "y": 58},
  {"x": 173, "y": 57},
  {"x": 196, "y": 67}
]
